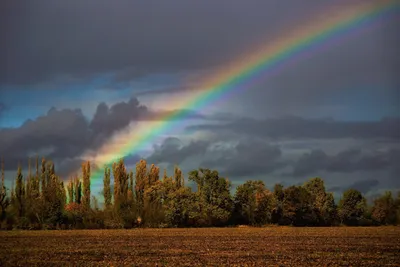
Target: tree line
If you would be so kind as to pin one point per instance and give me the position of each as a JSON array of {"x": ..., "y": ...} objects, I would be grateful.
[{"x": 41, "y": 200}]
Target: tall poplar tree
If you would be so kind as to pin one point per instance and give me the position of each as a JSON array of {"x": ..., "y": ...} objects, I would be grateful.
[
  {"x": 77, "y": 190},
  {"x": 107, "y": 187},
  {"x": 86, "y": 184},
  {"x": 141, "y": 177},
  {"x": 70, "y": 189},
  {"x": 20, "y": 192}
]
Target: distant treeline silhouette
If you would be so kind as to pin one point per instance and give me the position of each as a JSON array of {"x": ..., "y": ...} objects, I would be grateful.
[{"x": 42, "y": 201}]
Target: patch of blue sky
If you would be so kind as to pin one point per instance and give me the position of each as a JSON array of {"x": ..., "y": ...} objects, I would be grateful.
[{"x": 83, "y": 94}]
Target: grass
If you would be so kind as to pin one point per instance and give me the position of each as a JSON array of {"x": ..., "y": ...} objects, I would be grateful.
[{"x": 271, "y": 246}]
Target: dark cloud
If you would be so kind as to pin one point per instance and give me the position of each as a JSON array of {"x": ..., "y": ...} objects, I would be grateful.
[
  {"x": 66, "y": 134},
  {"x": 248, "y": 158},
  {"x": 167, "y": 90},
  {"x": 59, "y": 133},
  {"x": 47, "y": 39},
  {"x": 348, "y": 161},
  {"x": 173, "y": 115},
  {"x": 172, "y": 151},
  {"x": 64, "y": 167},
  {"x": 131, "y": 160},
  {"x": 364, "y": 186},
  {"x": 296, "y": 127},
  {"x": 245, "y": 158},
  {"x": 108, "y": 119}
]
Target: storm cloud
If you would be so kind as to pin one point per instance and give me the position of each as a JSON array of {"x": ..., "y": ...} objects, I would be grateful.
[
  {"x": 249, "y": 157},
  {"x": 348, "y": 161},
  {"x": 66, "y": 134},
  {"x": 120, "y": 37},
  {"x": 364, "y": 186},
  {"x": 245, "y": 157},
  {"x": 172, "y": 151},
  {"x": 296, "y": 127},
  {"x": 46, "y": 40}
]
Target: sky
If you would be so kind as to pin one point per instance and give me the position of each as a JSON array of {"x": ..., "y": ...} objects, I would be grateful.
[{"x": 79, "y": 78}]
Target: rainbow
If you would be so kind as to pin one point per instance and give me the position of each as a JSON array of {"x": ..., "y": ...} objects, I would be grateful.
[{"x": 273, "y": 57}]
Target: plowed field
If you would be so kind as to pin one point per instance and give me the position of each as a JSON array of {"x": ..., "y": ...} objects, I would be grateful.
[{"x": 274, "y": 246}]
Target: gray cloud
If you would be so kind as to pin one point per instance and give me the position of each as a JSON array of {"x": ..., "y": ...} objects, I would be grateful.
[
  {"x": 57, "y": 42},
  {"x": 167, "y": 90},
  {"x": 66, "y": 134},
  {"x": 296, "y": 127},
  {"x": 348, "y": 161},
  {"x": 47, "y": 39},
  {"x": 248, "y": 158},
  {"x": 61, "y": 133},
  {"x": 364, "y": 186},
  {"x": 243, "y": 158},
  {"x": 106, "y": 119},
  {"x": 64, "y": 167},
  {"x": 131, "y": 160},
  {"x": 172, "y": 151}
]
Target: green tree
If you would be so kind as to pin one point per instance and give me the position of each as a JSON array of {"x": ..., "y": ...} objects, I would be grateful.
[
  {"x": 178, "y": 177},
  {"x": 77, "y": 190},
  {"x": 153, "y": 213},
  {"x": 70, "y": 189},
  {"x": 352, "y": 207},
  {"x": 107, "y": 187},
  {"x": 124, "y": 213},
  {"x": 180, "y": 208},
  {"x": 329, "y": 210},
  {"x": 121, "y": 184},
  {"x": 277, "y": 211},
  {"x": 37, "y": 178},
  {"x": 297, "y": 207},
  {"x": 34, "y": 182},
  {"x": 165, "y": 176},
  {"x": 86, "y": 184},
  {"x": 323, "y": 205},
  {"x": 140, "y": 186},
  {"x": 384, "y": 209},
  {"x": 215, "y": 201},
  {"x": 131, "y": 190},
  {"x": 253, "y": 203},
  {"x": 153, "y": 175},
  {"x": 43, "y": 175},
  {"x": 20, "y": 192}
]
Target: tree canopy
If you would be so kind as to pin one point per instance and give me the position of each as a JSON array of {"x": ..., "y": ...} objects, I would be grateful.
[{"x": 141, "y": 199}]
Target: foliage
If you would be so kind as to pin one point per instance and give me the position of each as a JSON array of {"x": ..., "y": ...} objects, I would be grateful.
[
  {"x": 214, "y": 200},
  {"x": 352, "y": 207},
  {"x": 384, "y": 209},
  {"x": 42, "y": 201},
  {"x": 107, "y": 187},
  {"x": 254, "y": 203}
]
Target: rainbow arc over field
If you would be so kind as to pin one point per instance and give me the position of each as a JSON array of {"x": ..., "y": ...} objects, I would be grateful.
[{"x": 333, "y": 26}]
